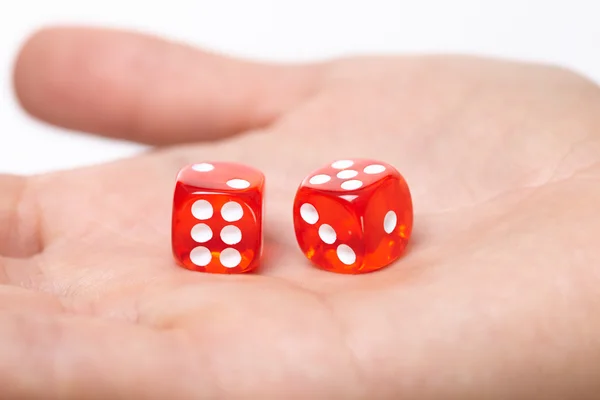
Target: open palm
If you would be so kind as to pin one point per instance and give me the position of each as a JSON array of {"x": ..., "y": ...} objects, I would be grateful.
[{"x": 496, "y": 296}]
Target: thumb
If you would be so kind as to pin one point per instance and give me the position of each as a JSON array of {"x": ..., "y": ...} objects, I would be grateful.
[{"x": 141, "y": 88}]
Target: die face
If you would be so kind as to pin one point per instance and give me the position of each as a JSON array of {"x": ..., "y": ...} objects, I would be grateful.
[
  {"x": 328, "y": 231},
  {"x": 388, "y": 220},
  {"x": 349, "y": 178},
  {"x": 221, "y": 177},
  {"x": 215, "y": 227},
  {"x": 378, "y": 212}
]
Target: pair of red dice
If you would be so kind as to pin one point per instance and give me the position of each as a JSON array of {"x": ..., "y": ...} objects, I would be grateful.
[{"x": 351, "y": 216}]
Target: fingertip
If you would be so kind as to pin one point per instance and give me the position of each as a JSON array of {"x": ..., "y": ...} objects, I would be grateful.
[
  {"x": 38, "y": 75},
  {"x": 21, "y": 71}
]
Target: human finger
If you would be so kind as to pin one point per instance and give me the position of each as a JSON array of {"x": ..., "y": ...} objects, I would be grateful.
[{"x": 147, "y": 89}]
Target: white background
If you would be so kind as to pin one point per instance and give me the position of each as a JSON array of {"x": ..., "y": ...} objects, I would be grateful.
[{"x": 557, "y": 31}]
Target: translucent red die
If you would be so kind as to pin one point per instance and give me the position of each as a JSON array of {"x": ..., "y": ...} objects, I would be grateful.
[
  {"x": 218, "y": 217},
  {"x": 353, "y": 216}
]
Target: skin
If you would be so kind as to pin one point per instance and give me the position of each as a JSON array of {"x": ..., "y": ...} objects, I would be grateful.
[{"x": 496, "y": 297}]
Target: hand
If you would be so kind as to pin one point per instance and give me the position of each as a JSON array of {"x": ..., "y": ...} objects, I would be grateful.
[{"x": 496, "y": 297}]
